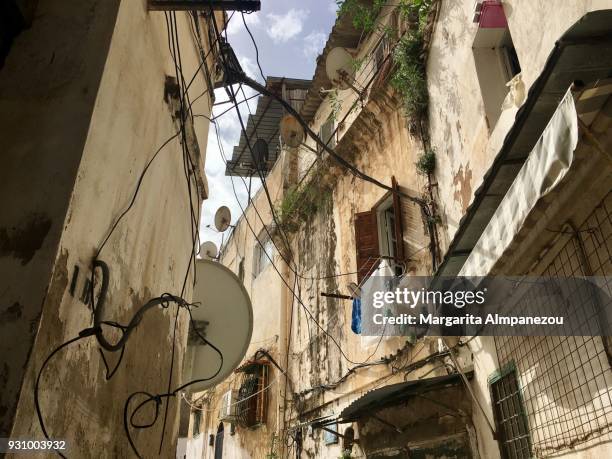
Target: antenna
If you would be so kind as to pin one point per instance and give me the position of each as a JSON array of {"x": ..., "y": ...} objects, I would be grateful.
[
  {"x": 224, "y": 316},
  {"x": 339, "y": 68},
  {"x": 223, "y": 218},
  {"x": 292, "y": 133},
  {"x": 208, "y": 250}
]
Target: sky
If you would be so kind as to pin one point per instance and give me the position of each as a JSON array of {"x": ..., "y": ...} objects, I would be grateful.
[{"x": 290, "y": 34}]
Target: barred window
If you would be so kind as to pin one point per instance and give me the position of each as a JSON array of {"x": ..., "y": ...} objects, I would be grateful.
[{"x": 509, "y": 411}]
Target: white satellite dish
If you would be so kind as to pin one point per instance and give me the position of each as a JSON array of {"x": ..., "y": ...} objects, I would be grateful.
[
  {"x": 291, "y": 131},
  {"x": 224, "y": 317},
  {"x": 339, "y": 68},
  {"x": 208, "y": 250},
  {"x": 223, "y": 218}
]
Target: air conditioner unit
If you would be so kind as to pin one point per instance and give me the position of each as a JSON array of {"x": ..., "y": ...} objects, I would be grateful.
[{"x": 228, "y": 406}]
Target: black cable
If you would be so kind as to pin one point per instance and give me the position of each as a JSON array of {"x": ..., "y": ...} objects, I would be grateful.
[
  {"x": 173, "y": 31},
  {"x": 134, "y": 196},
  {"x": 109, "y": 374},
  {"x": 128, "y": 419},
  {"x": 255, "y": 46},
  {"x": 304, "y": 307}
]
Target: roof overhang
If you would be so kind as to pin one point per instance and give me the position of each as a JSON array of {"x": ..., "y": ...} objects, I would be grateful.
[
  {"x": 343, "y": 34},
  {"x": 263, "y": 124},
  {"x": 395, "y": 394},
  {"x": 583, "y": 54}
]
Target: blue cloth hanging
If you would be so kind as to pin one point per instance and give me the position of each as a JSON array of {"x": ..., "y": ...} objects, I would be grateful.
[{"x": 356, "y": 316}]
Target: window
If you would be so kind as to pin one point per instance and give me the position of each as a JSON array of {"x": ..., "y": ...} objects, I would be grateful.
[
  {"x": 509, "y": 412},
  {"x": 197, "y": 420},
  {"x": 327, "y": 134},
  {"x": 380, "y": 52},
  {"x": 495, "y": 58},
  {"x": 378, "y": 234},
  {"x": 251, "y": 407},
  {"x": 263, "y": 253}
]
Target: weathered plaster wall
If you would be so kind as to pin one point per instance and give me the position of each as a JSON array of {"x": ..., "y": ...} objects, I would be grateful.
[
  {"x": 378, "y": 142},
  {"x": 460, "y": 134},
  {"x": 463, "y": 141},
  {"x": 149, "y": 252},
  {"x": 48, "y": 86},
  {"x": 267, "y": 295}
]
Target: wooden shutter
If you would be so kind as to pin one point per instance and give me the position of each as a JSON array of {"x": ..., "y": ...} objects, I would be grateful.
[
  {"x": 366, "y": 242},
  {"x": 397, "y": 211}
]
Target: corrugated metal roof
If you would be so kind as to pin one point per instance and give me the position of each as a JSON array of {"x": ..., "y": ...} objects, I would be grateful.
[
  {"x": 394, "y": 394},
  {"x": 264, "y": 124},
  {"x": 584, "y": 53}
]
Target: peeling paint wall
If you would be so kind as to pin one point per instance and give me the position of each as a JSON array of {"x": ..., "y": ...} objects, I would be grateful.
[
  {"x": 267, "y": 296},
  {"x": 464, "y": 140},
  {"x": 466, "y": 144},
  {"x": 82, "y": 96}
]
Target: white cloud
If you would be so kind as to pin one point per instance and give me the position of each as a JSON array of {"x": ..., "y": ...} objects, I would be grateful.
[
  {"x": 283, "y": 27},
  {"x": 236, "y": 25},
  {"x": 314, "y": 43},
  {"x": 333, "y": 8}
]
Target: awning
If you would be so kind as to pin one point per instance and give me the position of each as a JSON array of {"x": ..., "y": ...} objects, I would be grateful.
[
  {"x": 584, "y": 53},
  {"x": 394, "y": 394},
  {"x": 547, "y": 164},
  {"x": 264, "y": 124}
]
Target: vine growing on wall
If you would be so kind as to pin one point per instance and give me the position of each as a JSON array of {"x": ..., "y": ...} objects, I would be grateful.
[
  {"x": 408, "y": 77},
  {"x": 300, "y": 204},
  {"x": 363, "y": 16}
]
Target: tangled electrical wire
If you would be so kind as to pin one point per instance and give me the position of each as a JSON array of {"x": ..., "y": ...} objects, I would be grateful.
[{"x": 165, "y": 300}]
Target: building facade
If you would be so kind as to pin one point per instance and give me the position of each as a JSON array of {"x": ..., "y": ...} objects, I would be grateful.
[
  {"x": 95, "y": 123},
  {"x": 487, "y": 124}
]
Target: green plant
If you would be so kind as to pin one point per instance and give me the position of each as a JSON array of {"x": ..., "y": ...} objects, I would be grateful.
[
  {"x": 426, "y": 163},
  {"x": 300, "y": 205},
  {"x": 409, "y": 77},
  {"x": 346, "y": 454},
  {"x": 335, "y": 103},
  {"x": 416, "y": 11},
  {"x": 364, "y": 17}
]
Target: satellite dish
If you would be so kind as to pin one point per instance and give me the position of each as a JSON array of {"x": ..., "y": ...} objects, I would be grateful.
[
  {"x": 260, "y": 149},
  {"x": 208, "y": 250},
  {"x": 291, "y": 131},
  {"x": 354, "y": 289},
  {"x": 339, "y": 68},
  {"x": 224, "y": 317},
  {"x": 223, "y": 218}
]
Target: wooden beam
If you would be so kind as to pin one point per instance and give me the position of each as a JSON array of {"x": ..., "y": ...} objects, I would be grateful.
[{"x": 246, "y": 6}]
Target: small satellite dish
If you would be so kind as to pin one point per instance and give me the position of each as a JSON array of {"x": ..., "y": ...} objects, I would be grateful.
[
  {"x": 224, "y": 317},
  {"x": 260, "y": 149},
  {"x": 339, "y": 68},
  {"x": 208, "y": 250},
  {"x": 292, "y": 133},
  {"x": 223, "y": 218},
  {"x": 354, "y": 289}
]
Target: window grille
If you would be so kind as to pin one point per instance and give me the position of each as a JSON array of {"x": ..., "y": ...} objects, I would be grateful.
[
  {"x": 510, "y": 417},
  {"x": 566, "y": 381},
  {"x": 252, "y": 403}
]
